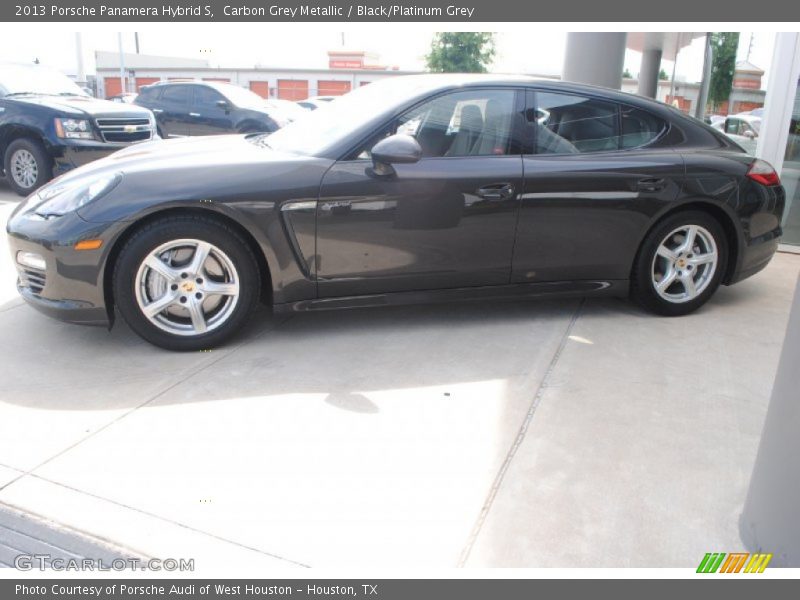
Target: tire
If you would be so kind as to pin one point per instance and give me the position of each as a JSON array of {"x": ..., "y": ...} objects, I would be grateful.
[
  {"x": 200, "y": 307},
  {"x": 27, "y": 165},
  {"x": 671, "y": 279}
]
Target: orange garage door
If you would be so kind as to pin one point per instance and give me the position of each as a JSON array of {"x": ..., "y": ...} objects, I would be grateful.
[
  {"x": 292, "y": 89},
  {"x": 143, "y": 81},
  {"x": 260, "y": 87},
  {"x": 332, "y": 88},
  {"x": 113, "y": 86}
]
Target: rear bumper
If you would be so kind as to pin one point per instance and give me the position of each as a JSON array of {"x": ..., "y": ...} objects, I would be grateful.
[{"x": 756, "y": 255}]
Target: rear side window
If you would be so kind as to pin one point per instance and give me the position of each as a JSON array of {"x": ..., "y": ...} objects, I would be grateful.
[
  {"x": 570, "y": 124},
  {"x": 146, "y": 93},
  {"x": 178, "y": 94},
  {"x": 639, "y": 127}
]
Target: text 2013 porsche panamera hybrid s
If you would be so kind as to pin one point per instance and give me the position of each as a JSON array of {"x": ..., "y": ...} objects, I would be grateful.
[{"x": 411, "y": 189}]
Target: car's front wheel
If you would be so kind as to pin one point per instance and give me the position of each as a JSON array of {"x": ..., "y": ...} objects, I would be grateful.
[
  {"x": 27, "y": 166},
  {"x": 680, "y": 264},
  {"x": 186, "y": 282}
]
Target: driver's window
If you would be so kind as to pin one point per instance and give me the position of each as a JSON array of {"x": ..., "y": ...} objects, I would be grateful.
[
  {"x": 469, "y": 123},
  {"x": 206, "y": 97}
]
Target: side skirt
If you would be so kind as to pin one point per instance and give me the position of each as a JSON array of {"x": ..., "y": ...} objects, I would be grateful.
[{"x": 558, "y": 289}]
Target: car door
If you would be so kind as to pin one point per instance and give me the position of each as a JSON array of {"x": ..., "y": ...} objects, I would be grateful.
[
  {"x": 590, "y": 189},
  {"x": 211, "y": 112},
  {"x": 446, "y": 221},
  {"x": 172, "y": 110}
]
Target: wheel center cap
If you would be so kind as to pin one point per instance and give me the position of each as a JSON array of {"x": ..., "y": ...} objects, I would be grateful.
[
  {"x": 681, "y": 262},
  {"x": 187, "y": 286}
]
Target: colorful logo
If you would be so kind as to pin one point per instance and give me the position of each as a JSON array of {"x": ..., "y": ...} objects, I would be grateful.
[{"x": 735, "y": 562}]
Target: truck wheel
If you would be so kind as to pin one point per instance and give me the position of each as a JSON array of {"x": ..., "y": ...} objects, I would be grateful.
[{"x": 28, "y": 166}]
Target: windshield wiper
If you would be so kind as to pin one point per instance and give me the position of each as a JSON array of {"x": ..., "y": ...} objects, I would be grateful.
[{"x": 20, "y": 94}]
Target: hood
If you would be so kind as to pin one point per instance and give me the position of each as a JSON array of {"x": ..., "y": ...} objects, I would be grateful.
[
  {"x": 188, "y": 154},
  {"x": 192, "y": 168},
  {"x": 82, "y": 105}
]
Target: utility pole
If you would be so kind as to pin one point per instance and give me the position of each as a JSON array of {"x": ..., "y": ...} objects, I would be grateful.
[
  {"x": 79, "y": 59},
  {"x": 122, "y": 79},
  {"x": 136, "y": 40}
]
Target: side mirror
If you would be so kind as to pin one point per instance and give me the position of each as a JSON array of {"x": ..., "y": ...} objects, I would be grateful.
[
  {"x": 749, "y": 134},
  {"x": 395, "y": 150},
  {"x": 223, "y": 104}
]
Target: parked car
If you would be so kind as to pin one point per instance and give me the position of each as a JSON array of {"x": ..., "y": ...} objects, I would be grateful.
[
  {"x": 207, "y": 108},
  {"x": 316, "y": 102},
  {"x": 756, "y": 112},
  {"x": 291, "y": 110},
  {"x": 497, "y": 187},
  {"x": 123, "y": 98},
  {"x": 743, "y": 129},
  {"x": 48, "y": 125}
]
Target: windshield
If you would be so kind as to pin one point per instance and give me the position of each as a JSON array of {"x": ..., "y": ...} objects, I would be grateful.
[
  {"x": 18, "y": 79},
  {"x": 336, "y": 120}
]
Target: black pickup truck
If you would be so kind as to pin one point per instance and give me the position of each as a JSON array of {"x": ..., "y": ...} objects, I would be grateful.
[{"x": 48, "y": 125}]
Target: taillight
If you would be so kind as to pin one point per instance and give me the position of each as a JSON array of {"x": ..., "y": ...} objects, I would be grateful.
[{"x": 762, "y": 172}]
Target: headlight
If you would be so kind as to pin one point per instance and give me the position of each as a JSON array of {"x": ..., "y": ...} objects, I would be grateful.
[
  {"x": 57, "y": 200},
  {"x": 78, "y": 129}
]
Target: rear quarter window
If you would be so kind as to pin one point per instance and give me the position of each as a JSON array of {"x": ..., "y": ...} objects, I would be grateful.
[{"x": 639, "y": 127}]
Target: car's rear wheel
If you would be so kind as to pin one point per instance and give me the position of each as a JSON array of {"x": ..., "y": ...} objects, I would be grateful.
[
  {"x": 186, "y": 282},
  {"x": 27, "y": 166},
  {"x": 680, "y": 264}
]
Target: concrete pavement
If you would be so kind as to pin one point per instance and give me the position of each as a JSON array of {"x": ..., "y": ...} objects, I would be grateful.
[{"x": 561, "y": 433}]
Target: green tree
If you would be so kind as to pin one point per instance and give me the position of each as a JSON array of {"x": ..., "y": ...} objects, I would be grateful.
[
  {"x": 626, "y": 74},
  {"x": 723, "y": 64},
  {"x": 461, "y": 52},
  {"x": 662, "y": 75}
]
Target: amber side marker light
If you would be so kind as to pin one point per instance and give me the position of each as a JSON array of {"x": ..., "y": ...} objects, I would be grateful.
[{"x": 88, "y": 244}]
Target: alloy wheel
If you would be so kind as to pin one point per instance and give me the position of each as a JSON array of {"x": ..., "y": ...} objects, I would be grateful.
[
  {"x": 684, "y": 264},
  {"x": 24, "y": 168},
  {"x": 187, "y": 287}
]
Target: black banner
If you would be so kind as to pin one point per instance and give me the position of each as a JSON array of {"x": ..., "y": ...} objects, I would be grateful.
[
  {"x": 456, "y": 11},
  {"x": 731, "y": 588}
]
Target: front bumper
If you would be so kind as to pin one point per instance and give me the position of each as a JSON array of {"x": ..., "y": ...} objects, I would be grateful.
[
  {"x": 71, "y": 154},
  {"x": 71, "y": 286}
]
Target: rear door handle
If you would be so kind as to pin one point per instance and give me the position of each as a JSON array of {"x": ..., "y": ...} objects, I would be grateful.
[
  {"x": 496, "y": 192},
  {"x": 158, "y": 110},
  {"x": 651, "y": 184},
  {"x": 194, "y": 114}
]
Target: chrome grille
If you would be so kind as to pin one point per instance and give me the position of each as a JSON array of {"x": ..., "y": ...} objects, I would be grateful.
[
  {"x": 32, "y": 279},
  {"x": 127, "y": 129}
]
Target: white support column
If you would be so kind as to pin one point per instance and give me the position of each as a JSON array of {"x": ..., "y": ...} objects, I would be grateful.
[
  {"x": 769, "y": 520},
  {"x": 779, "y": 101},
  {"x": 595, "y": 57},
  {"x": 648, "y": 72}
]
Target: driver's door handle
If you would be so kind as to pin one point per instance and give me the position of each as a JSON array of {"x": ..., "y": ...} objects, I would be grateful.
[
  {"x": 651, "y": 184},
  {"x": 194, "y": 114},
  {"x": 158, "y": 110},
  {"x": 496, "y": 191}
]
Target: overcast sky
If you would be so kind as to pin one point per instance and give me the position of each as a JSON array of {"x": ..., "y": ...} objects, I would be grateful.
[{"x": 525, "y": 50}]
